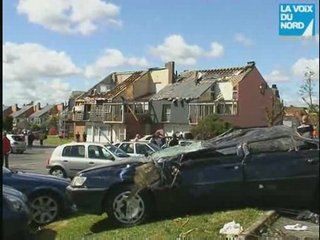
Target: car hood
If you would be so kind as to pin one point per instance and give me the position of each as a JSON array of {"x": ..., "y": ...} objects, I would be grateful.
[
  {"x": 43, "y": 178},
  {"x": 125, "y": 161},
  {"x": 7, "y": 190}
]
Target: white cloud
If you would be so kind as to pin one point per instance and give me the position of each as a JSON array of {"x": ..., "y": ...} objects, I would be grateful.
[
  {"x": 303, "y": 64},
  {"x": 217, "y": 50},
  {"x": 241, "y": 38},
  {"x": 277, "y": 76},
  {"x": 175, "y": 48},
  {"x": 112, "y": 58},
  {"x": 33, "y": 72},
  {"x": 71, "y": 16}
]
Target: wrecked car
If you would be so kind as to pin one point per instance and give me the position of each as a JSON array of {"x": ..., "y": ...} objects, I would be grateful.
[{"x": 260, "y": 166}]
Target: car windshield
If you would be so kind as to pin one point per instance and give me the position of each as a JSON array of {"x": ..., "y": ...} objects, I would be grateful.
[
  {"x": 116, "y": 151},
  {"x": 6, "y": 170},
  {"x": 18, "y": 138}
]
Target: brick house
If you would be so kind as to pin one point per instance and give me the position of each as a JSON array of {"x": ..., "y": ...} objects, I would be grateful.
[
  {"x": 20, "y": 117},
  {"x": 239, "y": 95},
  {"x": 118, "y": 106},
  {"x": 41, "y": 115}
]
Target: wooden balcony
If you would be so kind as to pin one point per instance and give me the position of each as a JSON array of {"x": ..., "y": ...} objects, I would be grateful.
[{"x": 198, "y": 111}]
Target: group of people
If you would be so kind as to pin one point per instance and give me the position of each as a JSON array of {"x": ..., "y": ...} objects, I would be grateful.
[
  {"x": 84, "y": 137},
  {"x": 160, "y": 140},
  {"x": 306, "y": 129}
]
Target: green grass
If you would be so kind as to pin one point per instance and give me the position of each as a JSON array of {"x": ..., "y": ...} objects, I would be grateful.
[
  {"x": 55, "y": 140},
  {"x": 205, "y": 226}
]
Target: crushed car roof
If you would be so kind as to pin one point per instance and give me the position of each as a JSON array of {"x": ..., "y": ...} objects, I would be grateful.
[{"x": 230, "y": 138}]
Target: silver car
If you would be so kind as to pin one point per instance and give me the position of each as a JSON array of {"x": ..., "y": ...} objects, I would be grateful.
[
  {"x": 17, "y": 143},
  {"x": 68, "y": 159}
]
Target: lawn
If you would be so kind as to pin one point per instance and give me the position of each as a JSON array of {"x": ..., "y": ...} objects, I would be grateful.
[
  {"x": 55, "y": 140},
  {"x": 205, "y": 226}
]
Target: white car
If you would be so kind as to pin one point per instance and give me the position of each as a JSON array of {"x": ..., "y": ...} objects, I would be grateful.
[
  {"x": 138, "y": 148},
  {"x": 68, "y": 159},
  {"x": 17, "y": 143}
]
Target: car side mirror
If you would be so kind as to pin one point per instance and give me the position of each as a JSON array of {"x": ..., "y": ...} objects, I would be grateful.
[{"x": 146, "y": 154}]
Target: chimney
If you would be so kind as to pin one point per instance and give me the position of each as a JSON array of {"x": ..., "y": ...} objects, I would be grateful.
[
  {"x": 37, "y": 107},
  {"x": 170, "y": 67},
  {"x": 275, "y": 90},
  {"x": 14, "y": 108},
  {"x": 60, "y": 107}
]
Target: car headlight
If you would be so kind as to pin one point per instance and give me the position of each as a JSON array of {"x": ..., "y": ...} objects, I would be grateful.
[
  {"x": 15, "y": 203},
  {"x": 78, "y": 181}
]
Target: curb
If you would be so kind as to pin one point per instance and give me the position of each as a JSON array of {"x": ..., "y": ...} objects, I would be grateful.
[{"x": 253, "y": 232}]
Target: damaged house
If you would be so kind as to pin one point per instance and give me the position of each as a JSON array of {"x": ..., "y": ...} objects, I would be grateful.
[
  {"x": 239, "y": 95},
  {"x": 117, "y": 107}
]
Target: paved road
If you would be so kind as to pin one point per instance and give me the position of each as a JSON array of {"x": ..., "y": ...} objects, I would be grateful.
[{"x": 33, "y": 160}]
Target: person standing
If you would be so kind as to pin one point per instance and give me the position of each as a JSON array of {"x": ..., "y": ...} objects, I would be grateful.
[
  {"x": 41, "y": 138},
  {"x": 84, "y": 136},
  {"x": 136, "y": 139},
  {"x": 174, "y": 141},
  {"x": 78, "y": 137},
  {"x": 305, "y": 129},
  {"x": 6, "y": 148}
]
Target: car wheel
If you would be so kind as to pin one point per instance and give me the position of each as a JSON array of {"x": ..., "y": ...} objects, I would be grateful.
[
  {"x": 58, "y": 171},
  {"x": 45, "y": 208},
  {"x": 124, "y": 212}
]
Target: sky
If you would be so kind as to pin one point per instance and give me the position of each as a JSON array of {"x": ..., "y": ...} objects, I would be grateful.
[{"x": 51, "y": 48}]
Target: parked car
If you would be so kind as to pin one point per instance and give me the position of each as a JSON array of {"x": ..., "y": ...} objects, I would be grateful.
[
  {"x": 137, "y": 149},
  {"x": 17, "y": 142},
  {"x": 16, "y": 215},
  {"x": 68, "y": 159},
  {"x": 145, "y": 138},
  {"x": 46, "y": 194},
  {"x": 257, "y": 167}
]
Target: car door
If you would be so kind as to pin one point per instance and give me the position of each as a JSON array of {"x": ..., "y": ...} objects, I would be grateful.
[
  {"x": 276, "y": 174},
  {"x": 209, "y": 178},
  {"x": 98, "y": 155},
  {"x": 73, "y": 158}
]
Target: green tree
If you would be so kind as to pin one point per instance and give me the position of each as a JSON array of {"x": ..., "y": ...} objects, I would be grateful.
[
  {"x": 8, "y": 124},
  {"x": 210, "y": 127},
  {"x": 52, "y": 122},
  {"x": 307, "y": 90}
]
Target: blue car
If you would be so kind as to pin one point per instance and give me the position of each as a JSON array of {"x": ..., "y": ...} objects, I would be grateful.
[
  {"x": 46, "y": 194},
  {"x": 16, "y": 215}
]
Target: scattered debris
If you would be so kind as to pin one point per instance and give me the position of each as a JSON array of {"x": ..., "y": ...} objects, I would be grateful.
[
  {"x": 308, "y": 215},
  {"x": 296, "y": 227},
  {"x": 301, "y": 215},
  {"x": 231, "y": 228}
]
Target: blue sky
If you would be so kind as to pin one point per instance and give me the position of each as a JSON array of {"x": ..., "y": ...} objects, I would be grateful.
[{"x": 53, "y": 49}]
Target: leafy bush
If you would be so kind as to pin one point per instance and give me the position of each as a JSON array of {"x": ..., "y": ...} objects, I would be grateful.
[{"x": 210, "y": 127}]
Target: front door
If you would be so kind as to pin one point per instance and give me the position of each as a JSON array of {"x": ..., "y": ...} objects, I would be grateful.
[{"x": 98, "y": 155}]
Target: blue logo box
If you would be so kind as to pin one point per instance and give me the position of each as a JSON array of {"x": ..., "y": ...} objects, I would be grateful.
[{"x": 297, "y": 20}]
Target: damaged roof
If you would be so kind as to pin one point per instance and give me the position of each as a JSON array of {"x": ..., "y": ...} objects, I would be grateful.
[
  {"x": 192, "y": 84},
  {"x": 115, "y": 89},
  {"x": 21, "y": 111},
  {"x": 41, "y": 112}
]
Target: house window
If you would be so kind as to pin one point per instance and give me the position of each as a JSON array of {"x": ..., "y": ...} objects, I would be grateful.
[
  {"x": 166, "y": 112},
  {"x": 226, "y": 108}
]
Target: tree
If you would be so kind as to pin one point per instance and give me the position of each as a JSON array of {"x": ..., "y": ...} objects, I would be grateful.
[
  {"x": 8, "y": 123},
  {"x": 275, "y": 113},
  {"x": 52, "y": 122},
  {"x": 306, "y": 90},
  {"x": 210, "y": 127}
]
